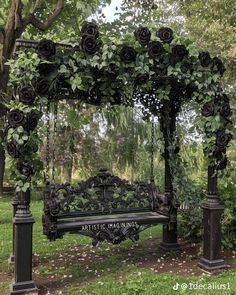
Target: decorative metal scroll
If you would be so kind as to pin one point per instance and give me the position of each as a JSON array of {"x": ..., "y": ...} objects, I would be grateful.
[
  {"x": 101, "y": 194},
  {"x": 113, "y": 233}
]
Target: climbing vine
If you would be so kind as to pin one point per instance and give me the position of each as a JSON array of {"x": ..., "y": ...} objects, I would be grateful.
[{"x": 154, "y": 69}]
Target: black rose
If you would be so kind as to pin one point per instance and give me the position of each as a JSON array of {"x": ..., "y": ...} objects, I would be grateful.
[
  {"x": 225, "y": 110},
  {"x": 42, "y": 86},
  {"x": 90, "y": 29},
  {"x": 218, "y": 66},
  {"x": 46, "y": 69},
  {"x": 13, "y": 149},
  {"x": 46, "y": 48},
  {"x": 26, "y": 94},
  {"x": 143, "y": 35},
  {"x": 25, "y": 169},
  {"x": 178, "y": 53},
  {"x": 128, "y": 54},
  {"x": 16, "y": 118},
  {"x": 222, "y": 138},
  {"x": 155, "y": 49},
  {"x": 165, "y": 34},
  {"x": 31, "y": 123},
  {"x": 205, "y": 58},
  {"x": 89, "y": 44},
  {"x": 208, "y": 109},
  {"x": 142, "y": 78}
]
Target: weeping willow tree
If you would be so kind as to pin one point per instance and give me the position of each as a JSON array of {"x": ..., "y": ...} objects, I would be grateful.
[
  {"x": 128, "y": 138},
  {"x": 119, "y": 139},
  {"x": 88, "y": 138}
]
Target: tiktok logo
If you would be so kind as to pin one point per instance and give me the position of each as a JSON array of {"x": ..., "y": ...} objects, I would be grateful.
[{"x": 176, "y": 286}]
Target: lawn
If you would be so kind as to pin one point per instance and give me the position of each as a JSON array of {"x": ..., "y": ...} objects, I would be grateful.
[{"x": 72, "y": 266}]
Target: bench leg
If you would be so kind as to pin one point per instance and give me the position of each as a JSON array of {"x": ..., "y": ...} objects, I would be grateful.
[{"x": 169, "y": 238}]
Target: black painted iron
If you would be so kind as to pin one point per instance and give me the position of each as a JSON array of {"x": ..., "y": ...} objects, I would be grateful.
[
  {"x": 169, "y": 236},
  {"x": 23, "y": 222},
  {"x": 104, "y": 207},
  {"x": 212, "y": 211}
]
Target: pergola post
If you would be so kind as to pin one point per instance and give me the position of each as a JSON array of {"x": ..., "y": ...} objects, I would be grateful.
[
  {"x": 212, "y": 212},
  {"x": 14, "y": 206},
  {"x": 23, "y": 225},
  {"x": 169, "y": 235}
]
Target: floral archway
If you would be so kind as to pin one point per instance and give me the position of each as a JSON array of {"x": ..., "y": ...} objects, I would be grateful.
[
  {"x": 155, "y": 70},
  {"x": 158, "y": 71}
]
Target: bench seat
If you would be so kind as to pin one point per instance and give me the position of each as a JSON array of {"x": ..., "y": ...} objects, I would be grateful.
[{"x": 68, "y": 225}]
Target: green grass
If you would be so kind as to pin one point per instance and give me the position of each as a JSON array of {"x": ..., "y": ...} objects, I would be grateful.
[
  {"x": 145, "y": 282},
  {"x": 109, "y": 269},
  {"x": 40, "y": 241}
]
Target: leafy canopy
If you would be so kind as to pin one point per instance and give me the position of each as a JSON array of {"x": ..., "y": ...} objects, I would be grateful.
[{"x": 154, "y": 69}]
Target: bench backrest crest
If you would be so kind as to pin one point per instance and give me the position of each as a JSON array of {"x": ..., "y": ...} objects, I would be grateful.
[{"x": 100, "y": 194}]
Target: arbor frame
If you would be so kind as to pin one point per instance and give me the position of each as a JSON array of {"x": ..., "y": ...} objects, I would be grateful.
[{"x": 212, "y": 210}]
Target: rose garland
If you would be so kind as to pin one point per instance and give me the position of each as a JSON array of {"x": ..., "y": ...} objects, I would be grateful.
[{"x": 155, "y": 69}]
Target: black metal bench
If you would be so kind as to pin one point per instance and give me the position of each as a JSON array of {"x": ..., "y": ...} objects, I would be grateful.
[{"x": 104, "y": 207}]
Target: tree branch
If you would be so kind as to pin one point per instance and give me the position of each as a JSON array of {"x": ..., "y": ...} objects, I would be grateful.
[
  {"x": 31, "y": 19},
  {"x": 37, "y": 5}
]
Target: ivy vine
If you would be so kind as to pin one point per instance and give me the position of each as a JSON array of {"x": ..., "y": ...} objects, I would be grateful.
[{"x": 150, "y": 68}]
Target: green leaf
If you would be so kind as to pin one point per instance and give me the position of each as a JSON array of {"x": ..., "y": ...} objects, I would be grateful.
[
  {"x": 11, "y": 131},
  {"x": 25, "y": 137},
  {"x": 15, "y": 136},
  {"x": 20, "y": 129}
]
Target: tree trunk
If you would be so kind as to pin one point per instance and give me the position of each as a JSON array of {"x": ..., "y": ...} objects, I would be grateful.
[
  {"x": 67, "y": 172},
  {"x": 2, "y": 168},
  {"x": 4, "y": 73},
  {"x": 70, "y": 169},
  {"x": 14, "y": 28},
  {"x": 8, "y": 38}
]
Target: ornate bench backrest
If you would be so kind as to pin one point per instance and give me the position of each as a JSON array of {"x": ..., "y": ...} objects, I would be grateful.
[{"x": 101, "y": 194}]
